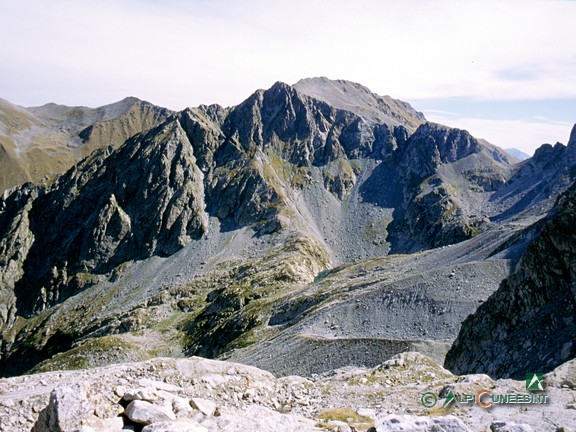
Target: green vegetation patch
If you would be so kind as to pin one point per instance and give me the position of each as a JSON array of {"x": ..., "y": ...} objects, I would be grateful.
[
  {"x": 103, "y": 350},
  {"x": 346, "y": 415}
]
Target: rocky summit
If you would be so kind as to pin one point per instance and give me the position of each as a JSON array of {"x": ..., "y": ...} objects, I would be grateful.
[{"x": 330, "y": 237}]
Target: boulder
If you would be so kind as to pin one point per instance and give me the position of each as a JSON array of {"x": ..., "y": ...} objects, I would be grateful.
[
  {"x": 510, "y": 427},
  {"x": 205, "y": 406},
  {"x": 65, "y": 411},
  {"x": 145, "y": 413}
]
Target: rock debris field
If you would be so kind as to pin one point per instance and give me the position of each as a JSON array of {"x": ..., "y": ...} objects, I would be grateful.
[{"x": 196, "y": 394}]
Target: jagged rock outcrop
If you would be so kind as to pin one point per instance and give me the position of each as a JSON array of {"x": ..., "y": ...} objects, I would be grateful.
[
  {"x": 147, "y": 198},
  {"x": 432, "y": 145},
  {"x": 434, "y": 212},
  {"x": 253, "y": 154},
  {"x": 301, "y": 130},
  {"x": 529, "y": 324},
  {"x": 16, "y": 240},
  {"x": 536, "y": 182},
  {"x": 66, "y": 408}
]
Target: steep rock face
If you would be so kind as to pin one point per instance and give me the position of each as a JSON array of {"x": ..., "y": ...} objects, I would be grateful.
[
  {"x": 572, "y": 147},
  {"x": 431, "y": 145},
  {"x": 432, "y": 166},
  {"x": 254, "y": 155},
  {"x": 536, "y": 182},
  {"x": 572, "y": 140},
  {"x": 529, "y": 323},
  {"x": 432, "y": 219},
  {"x": 240, "y": 188},
  {"x": 16, "y": 241},
  {"x": 146, "y": 198},
  {"x": 202, "y": 125},
  {"x": 309, "y": 131},
  {"x": 304, "y": 131}
]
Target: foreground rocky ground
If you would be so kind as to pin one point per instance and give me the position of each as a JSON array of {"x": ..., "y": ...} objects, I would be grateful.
[{"x": 196, "y": 394}]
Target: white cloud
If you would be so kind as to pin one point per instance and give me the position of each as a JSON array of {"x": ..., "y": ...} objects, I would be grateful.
[{"x": 178, "y": 53}]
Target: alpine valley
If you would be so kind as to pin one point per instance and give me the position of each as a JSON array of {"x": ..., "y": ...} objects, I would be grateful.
[{"x": 315, "y": 258}]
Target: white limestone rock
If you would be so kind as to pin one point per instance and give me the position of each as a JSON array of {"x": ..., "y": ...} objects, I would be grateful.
[{"x": 145, "y": 413}]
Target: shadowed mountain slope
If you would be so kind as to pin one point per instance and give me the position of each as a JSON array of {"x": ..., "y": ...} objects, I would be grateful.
[{"x": 528, "y": 324}]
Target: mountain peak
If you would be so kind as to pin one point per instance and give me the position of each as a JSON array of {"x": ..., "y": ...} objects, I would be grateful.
[
  {"x": 280, "y": 90},
  {"x": 281, "y": 85},
  {"x": 517, "y": 154},
  {"x": 323, "y": 83},
  {"x": 354, "y": 97}
]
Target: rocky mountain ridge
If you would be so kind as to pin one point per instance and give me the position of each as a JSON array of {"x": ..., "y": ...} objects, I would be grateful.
[{"x": 234, "y": 232}]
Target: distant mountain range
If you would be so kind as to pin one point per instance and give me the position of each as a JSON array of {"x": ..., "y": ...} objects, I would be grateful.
[
  {"x": 518, "y": 154},
  {"x": 36, "y": 143},
  {"x": 311, "y": 227}
]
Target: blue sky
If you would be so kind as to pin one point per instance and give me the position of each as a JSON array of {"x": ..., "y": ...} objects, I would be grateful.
[
  {"x": 522, "y": 124},
  {"x": 503, "y": 69}
]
